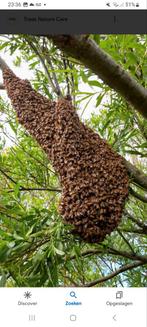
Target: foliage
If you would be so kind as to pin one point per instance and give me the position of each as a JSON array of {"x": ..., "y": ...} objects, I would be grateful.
[{"x": 36, "y": 248}]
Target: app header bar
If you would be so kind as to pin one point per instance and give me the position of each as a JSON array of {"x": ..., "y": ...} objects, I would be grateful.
[{"x": 73, "y": 22}]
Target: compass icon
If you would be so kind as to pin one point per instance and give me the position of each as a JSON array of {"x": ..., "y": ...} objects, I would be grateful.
[{"x": 27, "y": 295}]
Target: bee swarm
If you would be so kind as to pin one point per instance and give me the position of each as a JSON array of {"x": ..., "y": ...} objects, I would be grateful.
[{"x": 93, "y": 177}]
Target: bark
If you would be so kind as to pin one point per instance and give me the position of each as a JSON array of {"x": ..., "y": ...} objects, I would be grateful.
[
  {"x": 138, "y": 196},
  {"x": 3, "y": 64},
  {"x": 27, "y": 189},
  {"x": 137, "y": 176},
  {"x": 101, "y": 251},
  {"x": 2, "y": 87},
  {"x": 88, "y": 52}
]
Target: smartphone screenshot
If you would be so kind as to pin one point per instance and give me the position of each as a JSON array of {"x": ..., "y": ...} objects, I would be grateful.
[{"x": 73, "y": 163}]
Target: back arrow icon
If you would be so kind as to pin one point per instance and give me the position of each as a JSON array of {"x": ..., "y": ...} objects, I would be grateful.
[{"x": 114, "y": 317}]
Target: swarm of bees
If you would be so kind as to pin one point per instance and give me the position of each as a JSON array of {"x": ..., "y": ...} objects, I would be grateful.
[{"x": 93, "y": 177}]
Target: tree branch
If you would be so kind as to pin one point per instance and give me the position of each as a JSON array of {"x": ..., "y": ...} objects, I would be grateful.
[
  {"x": 2, "y": 86},
  {"x": 138, "y": 196},
  {"x": 21, "y": 188},
  {"x": 7, "y": 176},
  {"x": 87, "y": 253},
  {"x": 128, "y": 255},
  {"x": 136, "y": 221},
  {"x": 6, "y": 214},
  {"x": 137, "y": 176},
  {"x": 88, "y": 52},
  {"x": 112, "y": 251},
  {"x": 140, "y": 125},
  {"x": 47, "y": 57},
  {"x": 142, "y": 232},
  {"x": 31, "y": 44},
  {"x": 66, "y": 76},
  {"x": 125, "y": 240},
  {"x": 27, "y": 189},
  {"x": 3, "y": 64},
  {"x": 115, "y": 273}
]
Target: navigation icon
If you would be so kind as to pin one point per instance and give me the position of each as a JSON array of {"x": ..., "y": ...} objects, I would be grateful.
[
  {"x": 73, "y": 317},
  {"x": 32, "y": 318},
  {"x": 73, "y": 294},
  {"x": 27, "y": 295},
  {"x": 119, "y": 294}
]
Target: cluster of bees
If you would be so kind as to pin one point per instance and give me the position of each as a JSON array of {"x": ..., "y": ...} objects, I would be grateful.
[{"x": 93, "y": 177}]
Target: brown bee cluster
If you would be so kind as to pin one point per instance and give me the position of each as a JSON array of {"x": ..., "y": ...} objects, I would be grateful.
[{"x": 93, "y": 177}]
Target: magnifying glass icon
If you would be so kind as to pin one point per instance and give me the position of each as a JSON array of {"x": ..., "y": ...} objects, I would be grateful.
[{"x": 73, "y": 294}]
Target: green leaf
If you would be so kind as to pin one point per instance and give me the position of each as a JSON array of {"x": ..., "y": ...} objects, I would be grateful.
[
  {"x": 13, "y": 126},
  {"x": 95, "y": 83},
  {"x": 143, "y": 145},
  {"x": 34, "y": 64},
  {"x": 4, "y": 45},
  {"x": 4, "y": 251},
  {"x": 17, "y": 189},
  {"x": 99, "y": 99},
  {"x": 59, "y": 252},
  {"x": 3, "y": 280},
  {"x": 96, "y": 38},
  {"x": 136, "y": 152}
]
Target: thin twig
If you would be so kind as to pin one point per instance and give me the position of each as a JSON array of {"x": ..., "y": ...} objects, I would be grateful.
[
  {"x": 138, "y": 196},
  {"x": 25, "y": 189},
  {"x": 67, "y": 78},
  {"x": 142, "y": 232},
  {"x": 139, "y": 124},
  {"x": 112, "y": 251},
  {"x": 125, "y": 240},
  {"x": 72, "y": 82},
  {"x": 137, "y": 221},
  {"x": 31, "y": 44},
  {"x": 7, "y": 215},
  {"x": 136, "y": 175},
  {"x": 22, "y": 188},
  {"x": 113, "y": 274},
  {"x": 129, "y": 255},
  {"x": 7, "y": 176},
  {"x": 47, "y": 57}
]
